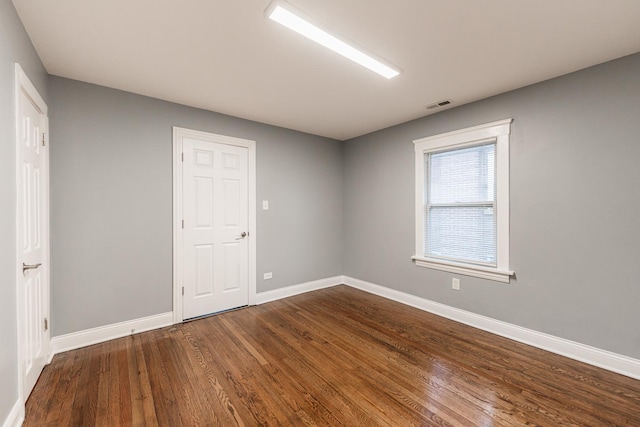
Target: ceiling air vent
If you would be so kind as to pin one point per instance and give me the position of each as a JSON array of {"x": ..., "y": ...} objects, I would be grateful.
[{"x": 439, "y": 104}]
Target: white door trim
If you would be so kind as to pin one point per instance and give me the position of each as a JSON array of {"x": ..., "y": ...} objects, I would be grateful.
[
  {"x": 178, "y": 134},
  {"x": 24, "y": 85}
]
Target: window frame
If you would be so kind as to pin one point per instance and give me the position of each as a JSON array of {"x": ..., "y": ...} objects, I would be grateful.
[{"x": 499, "y": 132}]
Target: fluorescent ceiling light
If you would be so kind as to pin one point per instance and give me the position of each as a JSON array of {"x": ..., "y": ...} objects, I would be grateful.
[{"x": 286, "y": 15}]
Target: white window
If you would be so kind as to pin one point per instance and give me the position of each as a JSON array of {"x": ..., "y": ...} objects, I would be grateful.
[{"x": 462, "y": 201}]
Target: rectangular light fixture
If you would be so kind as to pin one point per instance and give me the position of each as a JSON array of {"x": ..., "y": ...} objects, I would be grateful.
[{"x": 287, "y": 15}]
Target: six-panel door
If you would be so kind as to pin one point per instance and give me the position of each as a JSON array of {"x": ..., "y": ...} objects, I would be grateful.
[
  {"x": 32, "y": 210},
  {"x": 215, "y": 210}
]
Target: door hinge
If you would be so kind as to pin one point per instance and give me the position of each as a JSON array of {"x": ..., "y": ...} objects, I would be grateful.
[
  {"x": 44, "y": 139},
  {"x": 183, "y": 291},
  {"x": 46, "y": 324},
  {"x": 183, "y": 223},
  {"x": 183, "y": 157}
]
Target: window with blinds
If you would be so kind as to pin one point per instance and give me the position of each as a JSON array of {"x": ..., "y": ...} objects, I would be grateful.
[{"x": 462, "y": 201}]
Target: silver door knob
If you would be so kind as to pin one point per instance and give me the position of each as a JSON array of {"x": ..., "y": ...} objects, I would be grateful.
[
  {"x": 26, "y": 267},
  {"x": 242, "y": 235}
]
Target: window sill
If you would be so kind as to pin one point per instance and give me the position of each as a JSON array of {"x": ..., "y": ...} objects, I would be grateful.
[{"x": 464, "y": 269}]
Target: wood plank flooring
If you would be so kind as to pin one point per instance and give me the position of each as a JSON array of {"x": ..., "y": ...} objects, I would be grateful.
[{"x": 335, "y": 357}]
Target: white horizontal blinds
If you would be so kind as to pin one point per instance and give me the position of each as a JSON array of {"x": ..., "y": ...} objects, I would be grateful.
[{"x": 460, "y": 208}]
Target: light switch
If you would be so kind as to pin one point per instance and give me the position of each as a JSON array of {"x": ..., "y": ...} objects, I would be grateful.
[{"x": 265, "y": 205}]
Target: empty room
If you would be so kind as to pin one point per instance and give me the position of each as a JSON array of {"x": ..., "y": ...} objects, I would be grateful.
[{"x": 331, "y": 213}]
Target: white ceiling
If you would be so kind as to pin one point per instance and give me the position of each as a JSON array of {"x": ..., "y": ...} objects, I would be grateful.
[{"x": 225, "y": 56}]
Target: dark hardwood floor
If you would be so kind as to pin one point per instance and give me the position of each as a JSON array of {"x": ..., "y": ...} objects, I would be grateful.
[{"x": 335, "y": 357}]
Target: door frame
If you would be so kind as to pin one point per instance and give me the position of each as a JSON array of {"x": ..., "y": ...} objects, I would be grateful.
[
  {"x": 24, "y": 85},
  {"x": 178, "y": 252}
]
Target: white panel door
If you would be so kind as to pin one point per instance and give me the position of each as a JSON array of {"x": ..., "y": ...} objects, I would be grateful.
[
  {"x": 215, "y": 239},
  {"x": 32, "y": 235}
]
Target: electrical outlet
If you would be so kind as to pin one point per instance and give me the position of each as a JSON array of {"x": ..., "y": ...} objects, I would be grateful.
[
  {"x": 455, "y": 284},
  {"x": 265, "y": 205},
  {"x": 268, "y": 276}
]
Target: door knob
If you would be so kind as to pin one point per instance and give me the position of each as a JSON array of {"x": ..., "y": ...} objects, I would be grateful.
[
  {"x": 242, "y": 235},
  {"x": 26, "y": 267}
]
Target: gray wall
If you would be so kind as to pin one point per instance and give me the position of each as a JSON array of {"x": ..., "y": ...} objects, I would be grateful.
[
  {"x": 111, "y": 178},
  {"x": 575, "y": 208},
  {"x": 15, "y": 46}
]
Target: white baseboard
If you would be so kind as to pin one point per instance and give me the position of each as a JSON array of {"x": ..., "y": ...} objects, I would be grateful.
[
  {"x": 16, "y": 415},
  {"x": 594, "y": 356},
  {"x": 100, "y": 334},
  {"x": 290, "y": 291}
]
